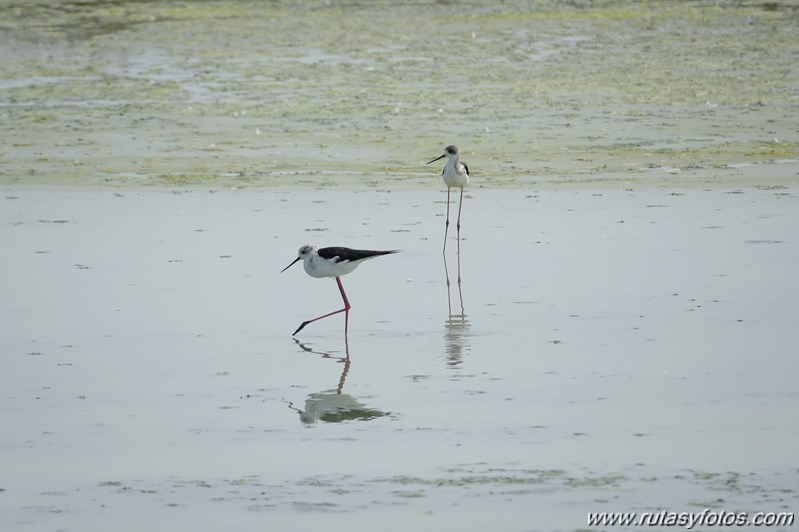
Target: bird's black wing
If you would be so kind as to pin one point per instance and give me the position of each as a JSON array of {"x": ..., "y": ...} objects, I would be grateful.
[{"x": 343, "y": 254}]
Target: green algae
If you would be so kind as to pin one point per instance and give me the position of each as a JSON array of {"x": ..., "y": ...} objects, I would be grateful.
[{"x": 549, "y": 91}]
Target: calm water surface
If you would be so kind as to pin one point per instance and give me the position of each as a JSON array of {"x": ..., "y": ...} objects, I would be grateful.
[{"x": 619, "y": 349}]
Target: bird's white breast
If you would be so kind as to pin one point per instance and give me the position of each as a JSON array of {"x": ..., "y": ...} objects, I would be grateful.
[
  {"x": 455, "y": 175},
  {"x": 319, "y": 267}
]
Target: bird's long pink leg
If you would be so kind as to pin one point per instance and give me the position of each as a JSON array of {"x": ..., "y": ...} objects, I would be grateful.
[
  {"x": 460, "y": 204},
  {"x": 446, "y": 223},
  {"x": 346, "y": 309},
  {"x": 449, "y": 291},
  {"x": 346, "y": 305}
]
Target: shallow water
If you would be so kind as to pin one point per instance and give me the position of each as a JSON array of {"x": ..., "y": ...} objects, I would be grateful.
[{"x": 620, "y": 350}]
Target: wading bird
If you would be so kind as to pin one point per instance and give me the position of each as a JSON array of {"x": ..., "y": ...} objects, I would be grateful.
[
  {"x": 333, "y": 262},
  {"x": 455, "y": 174}
]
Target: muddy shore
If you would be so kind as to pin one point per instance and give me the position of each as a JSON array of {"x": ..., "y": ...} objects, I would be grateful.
[{"x": 255, "y": 93}]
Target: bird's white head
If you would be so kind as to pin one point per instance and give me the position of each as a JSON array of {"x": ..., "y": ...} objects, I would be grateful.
[
  {"x": 450, "y": 151},
  {"x": 304, "y": 253}
]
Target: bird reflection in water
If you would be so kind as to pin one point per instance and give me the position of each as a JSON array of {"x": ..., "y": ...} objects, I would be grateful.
[
  {"x": 457, "y": 326},
  {"x": 334, "y": 406}
]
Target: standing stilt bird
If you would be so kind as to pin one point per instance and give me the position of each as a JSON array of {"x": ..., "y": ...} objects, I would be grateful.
[
  {"x": 333, "y": 262},
  {"x": 455, "y": 174}
]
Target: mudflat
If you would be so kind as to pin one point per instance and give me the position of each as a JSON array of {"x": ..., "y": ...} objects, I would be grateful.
[{"x": 363, "y": 93}]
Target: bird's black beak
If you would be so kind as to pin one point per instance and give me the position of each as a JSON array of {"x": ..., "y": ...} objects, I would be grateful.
[
  {"x": 290, "y": 265},
  {"x": 437, "y": 158}
]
